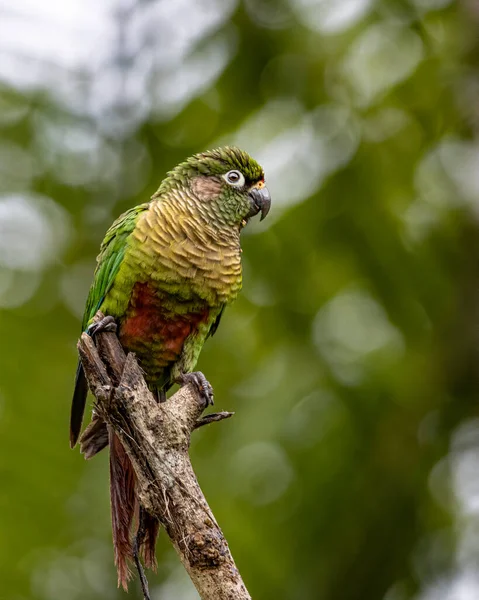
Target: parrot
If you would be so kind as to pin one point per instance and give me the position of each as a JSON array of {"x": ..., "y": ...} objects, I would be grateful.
[{"x": 165, "y": 273}]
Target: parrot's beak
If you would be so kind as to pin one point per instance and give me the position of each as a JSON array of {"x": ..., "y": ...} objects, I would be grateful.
[{"x": 260, "y": 201}]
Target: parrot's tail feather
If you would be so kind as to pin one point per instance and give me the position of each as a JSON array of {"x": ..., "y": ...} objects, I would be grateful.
[
  {"x": 78, "y": 404},
  {"x": 122, "y": 497},
  {"x": 94, "y": 438},
  {"x": 151, "y": 527}
]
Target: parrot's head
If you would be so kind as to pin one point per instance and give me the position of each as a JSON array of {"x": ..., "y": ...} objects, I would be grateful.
[{"x": 227, "y": 184}]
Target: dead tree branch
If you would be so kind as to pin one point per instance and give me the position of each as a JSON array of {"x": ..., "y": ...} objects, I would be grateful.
[{"x": 157, "y": 439}]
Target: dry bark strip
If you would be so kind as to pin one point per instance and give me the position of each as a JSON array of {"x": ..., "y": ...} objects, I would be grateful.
[{"x": 157, "y": 438}]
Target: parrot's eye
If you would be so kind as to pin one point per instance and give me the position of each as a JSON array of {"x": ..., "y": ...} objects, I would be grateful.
[{"x": 234, "y": 178}]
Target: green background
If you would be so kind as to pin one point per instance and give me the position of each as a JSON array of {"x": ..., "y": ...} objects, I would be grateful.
[{"x": 351, "y": 359}]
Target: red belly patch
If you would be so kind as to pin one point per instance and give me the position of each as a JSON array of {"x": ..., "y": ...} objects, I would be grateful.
[{"x": 148, "y": 322}]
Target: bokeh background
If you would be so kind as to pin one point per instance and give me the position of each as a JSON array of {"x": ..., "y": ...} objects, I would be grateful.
[{"x": 351, "y": 468}]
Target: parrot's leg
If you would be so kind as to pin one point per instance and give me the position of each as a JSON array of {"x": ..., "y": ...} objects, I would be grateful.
[
  {"x": 139, "y": 538},
  {"x": 105, "y": 324},
  {"x": 202, "y": 385}
]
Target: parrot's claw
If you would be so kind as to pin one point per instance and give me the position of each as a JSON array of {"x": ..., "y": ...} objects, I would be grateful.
[
  {"x": 202, "y": 385},
  {"x": 105, "y": 324}
]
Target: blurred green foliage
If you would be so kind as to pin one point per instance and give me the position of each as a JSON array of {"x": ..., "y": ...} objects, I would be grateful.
[{"x": 351, "y": 468}]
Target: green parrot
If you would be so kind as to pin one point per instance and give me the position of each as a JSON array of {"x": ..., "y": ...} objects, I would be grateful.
[{"x": 165, "y": 272}]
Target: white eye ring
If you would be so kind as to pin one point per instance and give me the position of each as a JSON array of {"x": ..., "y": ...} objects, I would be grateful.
[{"x": 234, "y": 178}]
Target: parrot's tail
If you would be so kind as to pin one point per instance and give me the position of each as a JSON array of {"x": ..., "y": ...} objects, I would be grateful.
[
  {"x": 151, "y": 528},
  {"x": 123, "y": 504},
  {"x": 124, "y": 508},
  {"x": 78, "y": 404}
]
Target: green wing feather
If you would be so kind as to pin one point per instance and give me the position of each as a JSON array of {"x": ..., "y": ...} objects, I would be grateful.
[
  {"x": 109, "y": 260},
  {"x": 216, "y": 323}
]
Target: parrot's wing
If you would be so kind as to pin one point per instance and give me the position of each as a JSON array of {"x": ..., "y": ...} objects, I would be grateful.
[
  {"x": 216, "y": 322},
  {"x": 109, "y": 260}
]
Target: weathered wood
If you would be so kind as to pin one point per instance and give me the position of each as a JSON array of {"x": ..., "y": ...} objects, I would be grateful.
[
  {"x": 112, "y": 355},
  {"x": 157, "y": 439},
  {"x": 97, "y": 376}
]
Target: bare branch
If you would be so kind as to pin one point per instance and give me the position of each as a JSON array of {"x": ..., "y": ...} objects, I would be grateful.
[{"x": 156, "y": 438}]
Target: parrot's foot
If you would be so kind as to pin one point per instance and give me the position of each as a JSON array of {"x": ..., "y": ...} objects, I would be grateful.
[
  {"x": 105, "y": 324},
  {"x": 202, "y": 385}
]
